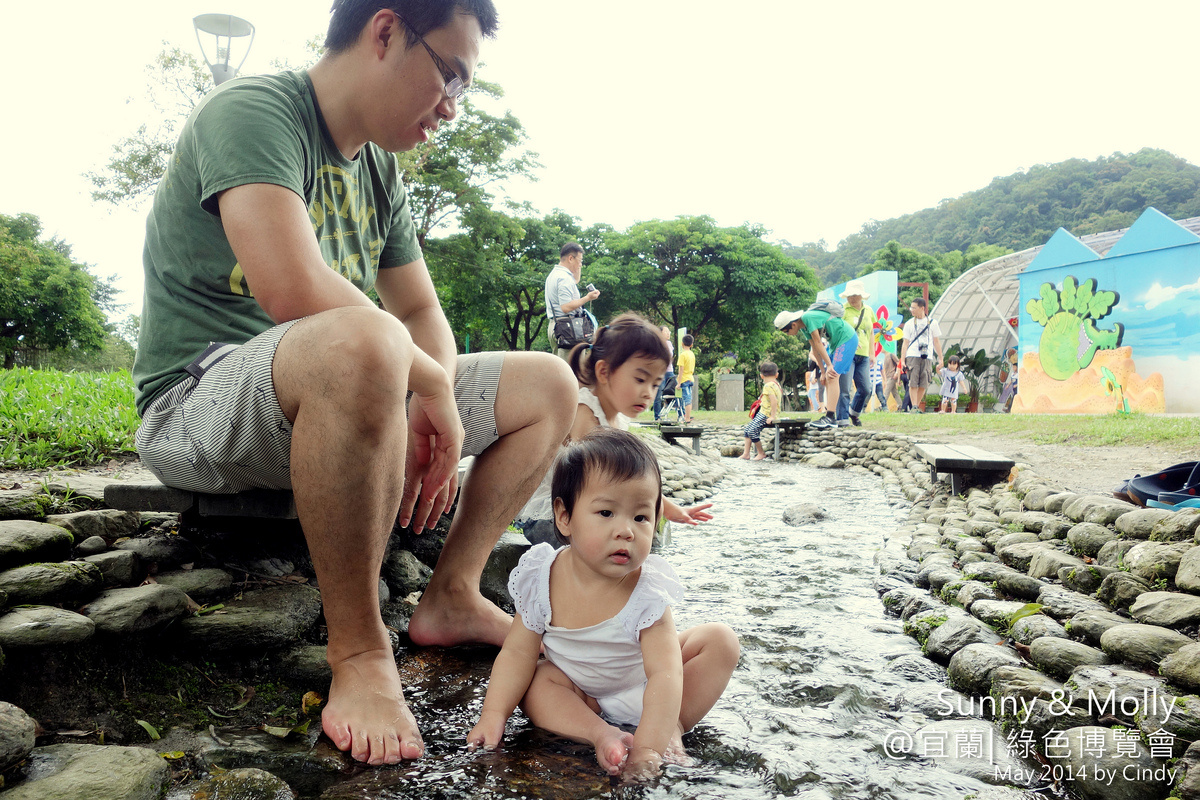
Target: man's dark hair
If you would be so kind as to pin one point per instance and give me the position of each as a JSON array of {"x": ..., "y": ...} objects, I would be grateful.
[
  {"x": 570, "y": 249},
  {"x": 768, "y": 368},
  {"x": 351, "y": 16},
  {"x": 607, "y": 454},
  {"x": 688, "y": 340},
  {"x": 921, "y": 302}
]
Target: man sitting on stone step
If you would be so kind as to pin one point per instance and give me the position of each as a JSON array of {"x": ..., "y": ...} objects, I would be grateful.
[{"x": 281, "y": 208}]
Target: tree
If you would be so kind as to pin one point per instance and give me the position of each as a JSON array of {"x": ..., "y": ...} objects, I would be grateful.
[
  {"x": 47, "y": 301},
  {"x": 724, "y": 284},
  {"x": 178, "y": 82}
]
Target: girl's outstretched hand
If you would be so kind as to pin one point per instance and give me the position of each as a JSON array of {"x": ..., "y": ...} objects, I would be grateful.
[{"x": 689, "y": 516}]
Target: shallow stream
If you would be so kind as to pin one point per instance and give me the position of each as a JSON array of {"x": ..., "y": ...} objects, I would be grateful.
[{"x": 810, "y": 708}]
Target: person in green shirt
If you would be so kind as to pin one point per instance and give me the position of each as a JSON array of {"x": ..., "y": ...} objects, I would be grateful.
[
  {"x": 832, "y": 362},
  {"x": 264, "y": 363}
]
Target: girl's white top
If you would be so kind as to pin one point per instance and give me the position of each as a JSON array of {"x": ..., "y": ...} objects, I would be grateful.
[
  {"x": 604, "y": 660},
  {"x": 541, "y": 504}
]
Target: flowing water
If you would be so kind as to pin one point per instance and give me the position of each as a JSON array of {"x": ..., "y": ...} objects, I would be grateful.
[{"x": 814, "y": 698}]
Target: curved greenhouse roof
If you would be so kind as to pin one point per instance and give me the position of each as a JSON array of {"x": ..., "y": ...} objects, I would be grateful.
[{"x": 975, "y": 309}]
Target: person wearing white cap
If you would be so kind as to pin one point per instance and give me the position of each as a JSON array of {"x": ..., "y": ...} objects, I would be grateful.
[
  {"x": 861, "y": 318},
  {"x": 842, "y": 344}
]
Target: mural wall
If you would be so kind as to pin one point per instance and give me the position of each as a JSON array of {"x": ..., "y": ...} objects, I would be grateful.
[
  {"x": 884, "y": 297},
  {"x": 1114, "y": 334}
]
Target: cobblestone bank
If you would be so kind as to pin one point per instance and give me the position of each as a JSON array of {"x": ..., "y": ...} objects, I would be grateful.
[{"x": 114, "y": 624}]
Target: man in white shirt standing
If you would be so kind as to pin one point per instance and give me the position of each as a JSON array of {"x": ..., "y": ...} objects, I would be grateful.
[
  {"x": 922, "y": 339},
  {"x": 562, "y": 290}
]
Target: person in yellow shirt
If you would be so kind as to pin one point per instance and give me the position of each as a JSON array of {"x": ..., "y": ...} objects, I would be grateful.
[
  {"x": 861, "y": 318},
  {"x": 687, "y": 376},
  {"x": 769, "y": 404}
]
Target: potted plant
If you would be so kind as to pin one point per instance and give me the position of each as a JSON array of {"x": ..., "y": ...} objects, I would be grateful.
[{"x": 975, "y": 369}]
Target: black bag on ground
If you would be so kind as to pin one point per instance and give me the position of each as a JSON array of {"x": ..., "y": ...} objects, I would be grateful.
[{"x": 573, "y": 330}]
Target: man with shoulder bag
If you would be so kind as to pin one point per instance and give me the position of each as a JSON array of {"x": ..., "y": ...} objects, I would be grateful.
[
  {"x": 569, "y": 322},
  {"x": 922, "y": 339}
]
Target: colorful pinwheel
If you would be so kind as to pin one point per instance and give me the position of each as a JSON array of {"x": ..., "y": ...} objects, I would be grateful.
[{"x": 886, "y": 331}]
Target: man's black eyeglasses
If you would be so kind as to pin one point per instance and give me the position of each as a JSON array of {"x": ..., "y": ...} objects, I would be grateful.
[{"x": 455, "y": 87}]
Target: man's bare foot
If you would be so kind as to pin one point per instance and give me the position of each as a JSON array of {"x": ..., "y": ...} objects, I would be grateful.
[
  {"x": 612, "y": 748},
  {"x": 759, "y": 457},
  {"x": 366, "y": 714},
  {"x": 466, "y": 618},
  {"x": 744, "y": 456}
]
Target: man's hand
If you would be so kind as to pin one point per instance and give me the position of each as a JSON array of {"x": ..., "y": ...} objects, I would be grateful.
[
  {"x": 592, "y": 295},
  {"x": 435, "y": 440}
]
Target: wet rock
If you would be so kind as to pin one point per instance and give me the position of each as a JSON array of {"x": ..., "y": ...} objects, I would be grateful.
[
  {"x": 118, "y": 567},
  {"x": 91, "y": 546},
  {"x": 202, "y": 585},
  {"x": 1112, "y": 554},
  {"x": 1107, "y": 690},
  {"x": 996, "y": 612},
  {"x": 244, "y": 784},
  {"x": 168, "y": 552},
  {"x": 136, "y": 610},
  {"x": 1102, "y": 772},
  {"x": 73, "y": 771},
  {"x": 1019, "y": 556},
  {"x": 994, "y": 765},
  {"x": 51, "y": 582},
  {"x": 1142, "y": 645},
  {"x": 1187, "y": 577},
  {"x": 16, "y": 503},
  {"x": 1063, "y": 604},
  {"x": 1156, "y": 560},
  {"x": 17, "y": 731},
  {"x": 503, "y": 560},
  {"x": 1060, "y": 657},
  {"x": 1047, "y": 563},
  {"x": 1086, "y": 579},
  {"x": 1180, "y": 526},
  {"x": 1167, "y": 609},
  {"x": 1189, "y": 784},
  {"x": 971, "y": 591},
  {"x": 1086, "y": 538},
  {"x": 1121, "y": 589},
  {"x": 1183, "y": 666},
  {"x": 923, "y": 623},
  {"x": 105, "y": 523},
  {"x": 43, "y": 626},
  {"x": 803, "y": 514},
  {"x": 971, "y": 667},
  {"x": 955, "y": 634},
  {"x": 405, "y": 573},
  {"x": 264, "y": 619},
  {"x": 1140, "y": 524},
  {"x": 1091, "y": 625},
  {"x": 1036, "y": 626},
  {"x": 986, "y": 571},
  {"x": 1179, "y": 717},
  {"x": 306, "y": 666},
  {"x": 24, "y": 541},
  {"x": 1012, "y": 683},
  {"x": 1042, "y": 719}
]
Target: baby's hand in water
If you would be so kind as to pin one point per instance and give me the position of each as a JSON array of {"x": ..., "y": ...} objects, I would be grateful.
[
  {"x": 643, "y": 764},
  {"x": 487, "y": 734}
]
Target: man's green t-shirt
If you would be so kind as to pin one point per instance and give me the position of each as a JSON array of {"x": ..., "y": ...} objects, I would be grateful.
[
  {"x": 263, "y": 129},
  {"x": 836, "y": 330}
]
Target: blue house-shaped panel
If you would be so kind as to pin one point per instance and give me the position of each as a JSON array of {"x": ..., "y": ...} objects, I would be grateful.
[
  {"x": 1153, "y": 230},
  {"x": 1061, "y": 250}
]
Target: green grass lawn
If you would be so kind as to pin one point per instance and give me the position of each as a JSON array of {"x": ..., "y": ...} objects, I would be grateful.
[
  {"x": 50, "y": 418},
  {"x": 1170, "y": 431}
]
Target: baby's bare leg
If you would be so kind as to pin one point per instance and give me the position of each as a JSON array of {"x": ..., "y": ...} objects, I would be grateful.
[
  {"x": 710, "y": 654},
  {"x": 556, "y": 704}
]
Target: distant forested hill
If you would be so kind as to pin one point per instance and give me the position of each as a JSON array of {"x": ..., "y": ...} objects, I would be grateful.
[{"x": 1023, "y": 210}]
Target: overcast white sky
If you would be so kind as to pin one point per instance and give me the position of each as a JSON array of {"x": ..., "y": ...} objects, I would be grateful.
[{"x": 807, "y": 117}]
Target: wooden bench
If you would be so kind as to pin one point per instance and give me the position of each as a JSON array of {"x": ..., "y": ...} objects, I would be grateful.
[
  {"x": 673, "y": 432},
  {"x": 257, "y": 503},
  {"x": 786, "y": 429},
  {"x": 961, "y": 461}
]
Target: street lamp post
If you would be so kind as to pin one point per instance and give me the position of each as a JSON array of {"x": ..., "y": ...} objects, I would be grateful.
[{"x": 224, "y": 28}]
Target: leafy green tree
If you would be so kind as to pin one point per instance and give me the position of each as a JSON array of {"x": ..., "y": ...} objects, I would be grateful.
[
  {"x": 724, "y": 284},
  {"x": 47, "y": 300}
]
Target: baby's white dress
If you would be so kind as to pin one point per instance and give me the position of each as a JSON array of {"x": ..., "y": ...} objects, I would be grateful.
[
  {"x": 603, "y": 660},
  {"x": 541, "y": 504}
]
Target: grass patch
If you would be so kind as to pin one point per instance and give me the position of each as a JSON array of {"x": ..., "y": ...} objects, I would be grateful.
[
  {"x": 50, "y": 418},
  {"x": 1084, "y": 430}
]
